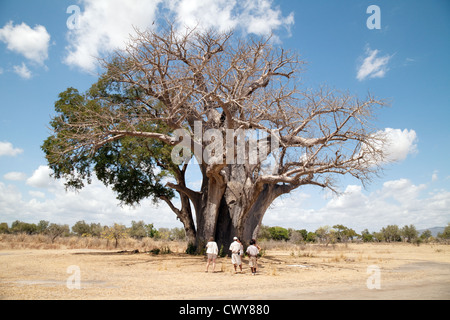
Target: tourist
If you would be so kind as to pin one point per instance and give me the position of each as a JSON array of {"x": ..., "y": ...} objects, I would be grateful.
[
  {"x": 236, "y": 248},
  {"x": 212, "y": 251},
  {"x": 253, "y": 252}
]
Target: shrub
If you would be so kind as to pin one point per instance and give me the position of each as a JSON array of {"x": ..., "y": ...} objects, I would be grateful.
[
  {"x": 191, "y": 249},
  {"x": 279, "y": 233},
  {"x": 116, "y": 232}
]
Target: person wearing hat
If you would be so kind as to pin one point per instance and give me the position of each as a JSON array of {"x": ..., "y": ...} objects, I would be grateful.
[{"x": 236, "y": 248}]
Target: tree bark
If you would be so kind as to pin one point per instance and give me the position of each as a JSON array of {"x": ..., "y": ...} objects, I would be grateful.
[
  {"x": 207, "y": 212},
  {"x": 243, "y": 205}
]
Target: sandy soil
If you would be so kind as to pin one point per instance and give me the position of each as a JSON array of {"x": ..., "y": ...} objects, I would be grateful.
[{"x": 311, "y": 272}]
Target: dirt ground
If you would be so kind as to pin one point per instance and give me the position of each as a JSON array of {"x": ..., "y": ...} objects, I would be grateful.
[{"x": 353, "y": 271}]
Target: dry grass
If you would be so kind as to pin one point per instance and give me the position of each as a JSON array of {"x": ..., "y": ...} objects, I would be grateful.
[
  {"x": 285, "y": 271},
  {"x": 23, "y": 241}
]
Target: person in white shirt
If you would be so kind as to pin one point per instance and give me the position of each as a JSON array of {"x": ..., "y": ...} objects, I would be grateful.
[
  {"x": 212, "y": 251},
  {"x": 252, "y": 252},
  {"x": 236, "y": 247}
]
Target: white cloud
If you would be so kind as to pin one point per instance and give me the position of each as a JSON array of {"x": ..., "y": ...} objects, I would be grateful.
[
  {"x": 373, "y": 66},
  {"x": 401, "y": 190},
  {"x": 258, "y": 17},
  {"x": 399, "y": 143},
  {"x": 399, "y": 202},
  {"x": 31, "y": 43},
  {"x": 94, "y": 203},
  {"x": 351, "y": 198},
  {"x": 434, "y": 176},
  {"x": 105, "y": 25},
  {"x": 15, "y": 176},
  {"x": 41, "y": 179},
  {"x": 395, "y": 145},
  {"x": 10, "y": 200},
  {"x": 37, "y": 194},
  {"x": 23, "y": 71},
  {"x": 7, "y": 149}
]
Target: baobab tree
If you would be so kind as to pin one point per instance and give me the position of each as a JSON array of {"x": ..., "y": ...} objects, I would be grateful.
[{"x": 232, "y": 107}]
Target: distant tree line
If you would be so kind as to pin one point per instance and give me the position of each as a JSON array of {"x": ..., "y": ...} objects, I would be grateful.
[
  {"x": 138, "y": 230},
  {"x": 342, "y": 234}
]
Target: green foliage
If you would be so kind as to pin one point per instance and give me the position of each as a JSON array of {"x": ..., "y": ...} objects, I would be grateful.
[
  {"x": 303, "y": 233},
  {"x": 115, "y": 232},
  {"x": 151, "y": 231},
  {"x": 391, "y": 233},
  {"x": 155, "y": 251},
  {"x": 311, "y": 237},
  {"x": 4, "y": 228},
  {"x": 426, "y": 235},
  {"x": 128, "y": 165},
  {"x": 82, "y": 229},
  {"x": 162, "y": 250},
  {"x": 23, "y": 227},
  {"x": 222, "y": 252},
  {"x": 326, "y": 235},
  {"x": 343, "y": 234},
  {"x": 279, "y": 233},
  {"x": 138, "y": 230},
  {"x": 42, "y": 226},
  {"x": 191, "y": 249},
  {"x": 446, "y": 233},
  {"x": 409, "y": 233},
  {"x": 366, "y": 236},
  {"x": 56, "y": 230}
]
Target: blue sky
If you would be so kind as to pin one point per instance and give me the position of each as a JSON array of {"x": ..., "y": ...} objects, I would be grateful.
[{"x": 406, "y": 61}]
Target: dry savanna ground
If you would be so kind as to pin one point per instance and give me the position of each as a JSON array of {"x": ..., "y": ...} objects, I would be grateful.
[{"x": 352, "y": 271}]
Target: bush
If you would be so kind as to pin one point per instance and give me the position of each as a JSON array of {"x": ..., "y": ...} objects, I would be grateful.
[
  {"x": 191, "y": 249},
  {"x": 409, "y": 233},
  {"x": 366, "y": 236},
  {"x": 326, "y": 235},
  {"x": 56, "y": 230},
  {"x": 4, "y": 228},
  {"x": 137, "y": 230},
  {"x": 82, "y": 229},
  {"x": 446, "y": 234},
  {"x": 23, "y": 227},
  {"x": 115, "y": 232},
  {"x": 311, "y": 237},
  {"x": 222, "y": 252},
  {"x": 279, "y": 233}
]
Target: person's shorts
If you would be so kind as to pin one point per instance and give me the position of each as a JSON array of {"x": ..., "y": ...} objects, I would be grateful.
[
  {"x": 253, "y": 262},
  {"x": 236, "y": 259},
  {"x": 212, "y": 256}
]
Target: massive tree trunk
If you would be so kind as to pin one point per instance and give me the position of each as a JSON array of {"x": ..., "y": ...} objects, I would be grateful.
[
  {"x": 235, "y": 209},
  {"x": 207, "y": 212},
  {"x": 243, "y": 219}
]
